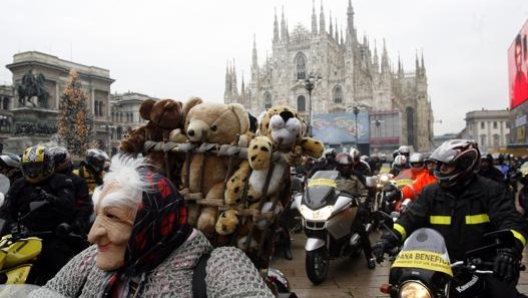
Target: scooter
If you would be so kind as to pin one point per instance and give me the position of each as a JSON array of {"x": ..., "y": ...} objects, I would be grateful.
[
  {"x": 327, "y": 217},
  {"x": 423, "y": 269}
]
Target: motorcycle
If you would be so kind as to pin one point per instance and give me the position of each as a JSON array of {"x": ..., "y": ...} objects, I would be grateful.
[
  {"x": 423, "y": 269},
  {"x": 327, "y": 217},
  {"x": 20, "y": 250}
]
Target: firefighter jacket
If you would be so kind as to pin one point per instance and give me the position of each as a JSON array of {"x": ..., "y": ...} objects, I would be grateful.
[
  {"x": 482, "y": 206},
  {"x": 412, "y": 190}
]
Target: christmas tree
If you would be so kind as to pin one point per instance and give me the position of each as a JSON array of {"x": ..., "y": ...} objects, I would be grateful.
[{"x": 75, "y": 122}]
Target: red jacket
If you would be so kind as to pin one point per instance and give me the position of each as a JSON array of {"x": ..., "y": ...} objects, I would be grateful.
[{"x": 411, "y": 190}]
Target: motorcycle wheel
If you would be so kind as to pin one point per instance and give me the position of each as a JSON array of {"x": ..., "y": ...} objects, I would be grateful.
[{"x": 317, "y": 264}]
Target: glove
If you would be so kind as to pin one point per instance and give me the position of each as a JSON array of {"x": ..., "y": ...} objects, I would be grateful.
[
  {"x": 386, "y": 243},
  {"x": 394, "y": 196},
  {"x": 506, "y": 265}
]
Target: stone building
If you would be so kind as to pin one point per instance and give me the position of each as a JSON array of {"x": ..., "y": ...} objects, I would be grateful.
[
  {"x": 490, "y": 128},
  {"x": 348, "y": 73},
  {"x": 95, "y": 82}
]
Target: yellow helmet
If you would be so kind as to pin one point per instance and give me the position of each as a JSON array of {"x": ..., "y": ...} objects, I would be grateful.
[{"x": 37, "y": 164}]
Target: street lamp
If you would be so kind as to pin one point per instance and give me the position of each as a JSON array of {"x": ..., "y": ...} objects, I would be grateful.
[
  {"x": 356, "y": 112},
  {"x": 309, "y": 85}
]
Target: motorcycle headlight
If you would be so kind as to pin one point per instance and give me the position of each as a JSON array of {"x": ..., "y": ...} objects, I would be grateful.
[
  {"x": 319, "y": 214},
  {"x": 414, "y": 289}
]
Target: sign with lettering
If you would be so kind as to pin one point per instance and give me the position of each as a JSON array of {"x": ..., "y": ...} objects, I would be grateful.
[{"x": 423, "y": 260}]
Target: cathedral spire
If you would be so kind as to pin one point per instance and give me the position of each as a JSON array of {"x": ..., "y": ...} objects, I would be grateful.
[
  {"x": 423, "y": 64},
  {"x": 234, "y": 87},
  {"x": 254, "y": 56},
  {"x": 314, "y": 19},
  {"x": 375, "y": 61},
  {"x": 417, "y": 63},
  {"x": 227, "y": 90},
  {"x": 284, "y": 30},
  {"x": 384, "y": 59},
  {"x": 336, "y": 31},
  {"x": 276, "y": 29},
  {"x": 350, "y": 19},
  {"x": 322, "y": 24},
  {"x": 331, "y": 28}
]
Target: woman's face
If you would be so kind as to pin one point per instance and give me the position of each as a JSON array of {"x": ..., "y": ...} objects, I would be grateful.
[{"x": 110, "y": 232}]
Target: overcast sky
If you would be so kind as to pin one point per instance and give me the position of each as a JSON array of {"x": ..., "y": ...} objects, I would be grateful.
[{"x": 178, "y": 49}]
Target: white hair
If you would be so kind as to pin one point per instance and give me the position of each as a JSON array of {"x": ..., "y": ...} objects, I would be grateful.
[{"x": 125, "y": 176}]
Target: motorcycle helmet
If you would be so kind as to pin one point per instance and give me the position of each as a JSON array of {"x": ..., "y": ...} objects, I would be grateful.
[
  {"x": 355, "y": 154},
  {"x": 399, "y": 162},
  {"x": 62, "y": 159},
  {"x": 37, "y": 164},
  {"x": 343, "y": 163},
  {"x": 417, "y": 161},
  {"x": 330, "y": 153},
  {"x": 95, "y": 159},
  {"x": 486, "y": 161},
  {"x": 10, "y": 165},
  {"x": 404, "y": 150},
  {"x": 395, "y": 153},
  {"x": 463, "y": 155}
]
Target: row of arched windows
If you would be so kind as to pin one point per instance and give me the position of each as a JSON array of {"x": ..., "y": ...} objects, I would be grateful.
[{"x": 122, "y": 116}]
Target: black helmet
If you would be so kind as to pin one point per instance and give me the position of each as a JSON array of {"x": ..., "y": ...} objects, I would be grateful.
[
  {"x": 463, "y": 154},
  {"x": 95, "y": 159},
  {"x": 37, "y": 164},
  {"x": 62, "y": 159}
]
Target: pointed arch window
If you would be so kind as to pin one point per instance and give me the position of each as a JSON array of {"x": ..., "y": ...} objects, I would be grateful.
[
  {"x": 409, "y": 113},
  {"x": 300, "y": 66},
  {"x": 337, "y": 95},
  {"x": 301, "y": 103},
  {"x": 267, "y": 100}
]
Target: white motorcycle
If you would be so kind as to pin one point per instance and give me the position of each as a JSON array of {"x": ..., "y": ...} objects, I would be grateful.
[{"x": 327, "y": 216}]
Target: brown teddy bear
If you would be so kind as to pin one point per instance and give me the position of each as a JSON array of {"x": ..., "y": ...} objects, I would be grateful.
[
  {"x": 163, "y": 116},
  {"x": 208, "y": 125}
]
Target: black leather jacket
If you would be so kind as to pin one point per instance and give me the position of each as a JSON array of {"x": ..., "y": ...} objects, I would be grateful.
[
  {"x": 482, "y": 206},
  {"x": 58, "y": 190}
]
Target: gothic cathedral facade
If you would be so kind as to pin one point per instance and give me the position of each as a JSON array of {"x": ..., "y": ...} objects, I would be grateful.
[{"x": 348, "y": 74}]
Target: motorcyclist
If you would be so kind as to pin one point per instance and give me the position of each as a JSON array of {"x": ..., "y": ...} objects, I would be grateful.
[
  {"x": 411, "y": 191},
  {"x": 463, "y": 207},
  {"x": 327, "y": 164},
  {"x": 10, "y": 166},
  {"x": 91, "y": 168},
  {"x": 359, "y": 165},
  {"x": 350, "y": 183},
  {"x": 487, "y": 169},
  {"x": 83, "y": 202},
  {"x": 55, "y": 191},
  {"x": 399, "y": 164}
]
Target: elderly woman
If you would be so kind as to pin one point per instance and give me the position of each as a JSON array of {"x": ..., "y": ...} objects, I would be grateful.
[{"x": 145, "y": 248}]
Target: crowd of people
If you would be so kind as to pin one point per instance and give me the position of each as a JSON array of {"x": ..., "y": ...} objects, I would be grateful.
[{"x": 137, "y": 220}]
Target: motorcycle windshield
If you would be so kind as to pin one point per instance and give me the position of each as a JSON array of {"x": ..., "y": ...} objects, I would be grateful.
[
  {"x": 424, "y": 249},
  {"x": 321, "y": 190}
]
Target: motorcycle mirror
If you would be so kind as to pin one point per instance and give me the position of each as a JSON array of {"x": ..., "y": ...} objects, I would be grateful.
[{"x": 37, "y": 205}]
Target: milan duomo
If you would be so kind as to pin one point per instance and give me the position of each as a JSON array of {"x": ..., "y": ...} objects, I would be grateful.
[{"x": 350, "y": 74}]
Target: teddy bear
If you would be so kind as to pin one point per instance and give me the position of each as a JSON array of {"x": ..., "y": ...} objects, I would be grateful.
[
  {"x": 163, "y": 117},
  {"x": 208, "y": 125}
]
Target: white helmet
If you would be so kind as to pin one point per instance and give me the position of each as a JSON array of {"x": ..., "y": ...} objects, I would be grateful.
[
  {"x": 404, "y": 150},
  {"x": 399, "y": 162}
]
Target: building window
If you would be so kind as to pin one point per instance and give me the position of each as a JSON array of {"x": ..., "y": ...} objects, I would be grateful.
[
  {"x": 507, "y": 124},
  {"x": 482, "y": 140},
  {"x": 337, "y": 94},
  {"x": 301, "y": 103},
  {"x": 482, "y": 125},
  {"x": 496, "y": 141},
  {"x": 494, "y": 124},
  {"x": 300, "y": 66}
]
